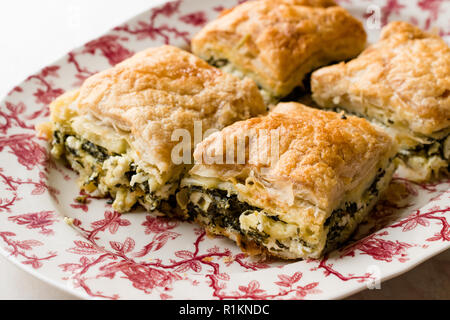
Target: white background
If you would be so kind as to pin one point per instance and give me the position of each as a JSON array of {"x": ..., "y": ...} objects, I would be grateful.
[{"x": 34, "y": 33}]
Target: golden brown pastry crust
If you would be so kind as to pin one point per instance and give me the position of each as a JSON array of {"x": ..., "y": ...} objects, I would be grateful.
[
  {"x": 162, "y": 89},
  {"x": 320, "y": 154},
  {"x": 278, "y": 42},
  {"x": 406, "y": 76}
]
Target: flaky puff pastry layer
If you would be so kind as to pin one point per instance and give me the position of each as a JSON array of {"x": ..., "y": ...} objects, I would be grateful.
[
  {"x": 319, "y": 157},
  {"x": 163, "y": 89},
  {"x": 277, "y": 42},
  {"x": 402, "y": 80}
]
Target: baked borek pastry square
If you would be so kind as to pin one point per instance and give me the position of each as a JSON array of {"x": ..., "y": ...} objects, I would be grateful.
[
  {"x": 403, "y": 83},
  {"x": 116, "y": 130},
  {"x": 306, "y": 179},
  {"x": 276, "y": 43}
]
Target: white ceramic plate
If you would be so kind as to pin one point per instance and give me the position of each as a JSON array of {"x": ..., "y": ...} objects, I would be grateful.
[{"x": 140, "y": 256}]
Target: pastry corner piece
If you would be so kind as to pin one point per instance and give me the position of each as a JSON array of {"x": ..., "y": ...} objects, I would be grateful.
[
  {"x": 117, "y": 130},
  {"x": 294, "y": 183},
  {"x": 403, "y": 83},
  {"x": 278, "y": 42}
]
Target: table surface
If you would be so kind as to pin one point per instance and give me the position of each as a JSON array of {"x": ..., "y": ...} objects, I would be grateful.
[{"x": 35, "y": 33}]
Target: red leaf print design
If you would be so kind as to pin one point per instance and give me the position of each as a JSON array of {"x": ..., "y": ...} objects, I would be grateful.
[
  {"x": 432, "y": 6},
  {"x": 84, "y": 248},
  {"x": 196, "y": 19},
  {"x": 411, "y": 224},
  {"x": 125, "y": 247},
  {"x": 39, "y": 220},
  {"x": 219, "y": 8},
  {"x": 159, "y": 241},
  {"x": 50, "y": 71},
  {"x": 110, "y": 47},
  {"x": 34, "y": 262},
  {"x": 142, "y": 277},
  {"x": 168, "y": 9},
  {"x": 412, "y": 221},
  {"x": 15, "y": 89},
  {"x": 116, "y": 245},
  {"x": 147, "y": 279},
  {"x": 150, "y": 30},
  {"x": 28, "y": 152},
  {"x": 184, "y": 254},
  {"x": 13, "y": 116},
  {"x": 391, "y": 7},
  {"x": 436, "y": 237},
  {"x": 380, "y": 249},
  {"x": 287, "y": 281},
  {"x": 240, "y": 258},
  {"x": 7, "y": 234},
  {"x": 82, "y": 73},
  {"x": 302, "y": 292},
  {"x": 189, "y": 264},
  {"x": 165, "y": 296},
  {"x": 46, "y": 94},
  {"x": 329, "y": 270},
  {"x": 28, "y": 244},
  {"x": 84, "y": 261},
  {"x": 12, "y": 184},
  {"x": 17, "y": 249},
  {"x": 128, "y": 245},
  {"x": 253, "y": 288},
  {"x": 112, "y": 222},
  {"x": 158, "y": 224}
]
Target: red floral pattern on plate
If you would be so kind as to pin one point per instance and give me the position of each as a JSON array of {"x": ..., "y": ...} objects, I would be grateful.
[
  {"x": 102, "y": 254},
  {"x": 38, "y": 220}
]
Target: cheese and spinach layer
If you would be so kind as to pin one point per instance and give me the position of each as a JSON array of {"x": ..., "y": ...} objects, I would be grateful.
[
  {"x": 219, "y": 209},
  {"x": 423, "y": 157},
  {"x": 107, "y": 173},
  {"x": 428, "y": 159}
]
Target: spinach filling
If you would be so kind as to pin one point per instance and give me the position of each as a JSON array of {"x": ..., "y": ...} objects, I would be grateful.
[
  {"x": 338, "y": 216},
  {"x": 223, "y": 211},
  {"x": 100, "y": 153},
  {"x": 434, "y": 148},
  {"x": 218, "y": 63},
  {"x": 334, "y": 220},
  {"x": 439, "y": 148},
  {"x": 95, "y": 171}
]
